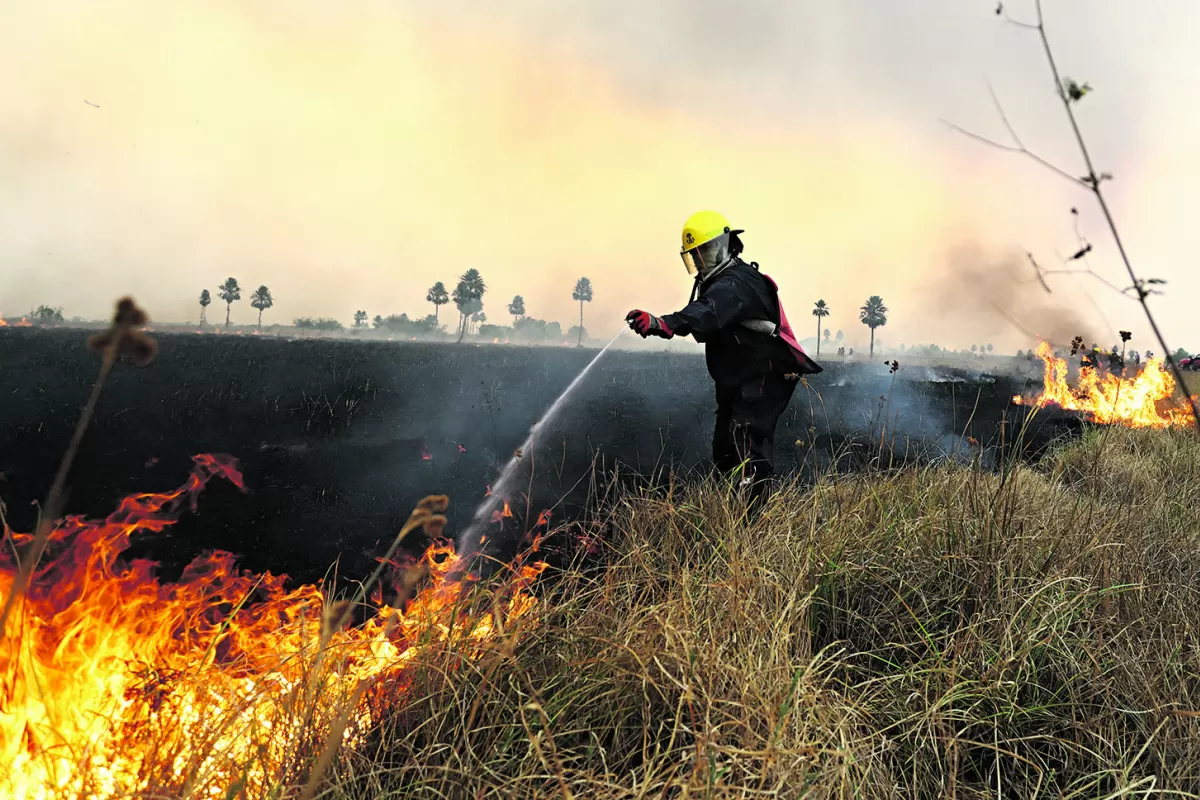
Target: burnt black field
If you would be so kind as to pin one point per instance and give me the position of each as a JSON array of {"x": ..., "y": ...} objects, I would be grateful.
[{"x": 338, "y": 439}]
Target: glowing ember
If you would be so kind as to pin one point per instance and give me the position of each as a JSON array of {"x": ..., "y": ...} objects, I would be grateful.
[
  {"x": 1147, "y": 400},
  {"x": 461, "y": 449},
  {"x": 499, "y": 515},
  {"x": 543, "y": 518},
  {"x": 222, "y": 685},
  {"x": 425, "y": 454}
]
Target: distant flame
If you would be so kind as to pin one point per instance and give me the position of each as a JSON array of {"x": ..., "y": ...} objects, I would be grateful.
[
  {"x": 425, "y": 454},
  {"x": 23, "y": 322},
  {"x": 3, "y": 323},
  {"x": 1145, "y": 401}
]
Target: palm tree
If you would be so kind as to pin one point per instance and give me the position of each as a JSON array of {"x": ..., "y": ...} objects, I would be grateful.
[
  {"x": 360, "y": 319},
  {"x": 517, "y": 308},
  {"x": 873, "y": 314},
  {"x": 205, "y": 299},
  {"x": 582, "y": 293},
  {"x": 820, "y": 311},
  {"x": 437, "y": 295},
  {"x": 229, "y": 291},
  {"x": 262, "y": 300},
  {"x": 468, "y": 298}
]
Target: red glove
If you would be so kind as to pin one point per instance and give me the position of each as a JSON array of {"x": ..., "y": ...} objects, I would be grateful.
[{"x": 646, "y": 324}]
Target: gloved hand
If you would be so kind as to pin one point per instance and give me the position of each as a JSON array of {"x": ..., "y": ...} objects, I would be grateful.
[{"x": 646, "y": 324}]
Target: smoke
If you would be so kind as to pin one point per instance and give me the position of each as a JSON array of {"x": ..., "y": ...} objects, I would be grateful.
[
  {"x": 349, "y": 155},
  {"x": 999, "y": 296}
]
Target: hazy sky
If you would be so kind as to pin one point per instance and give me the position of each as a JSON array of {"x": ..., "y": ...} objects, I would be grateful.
[{"x": 350, "y": 154}]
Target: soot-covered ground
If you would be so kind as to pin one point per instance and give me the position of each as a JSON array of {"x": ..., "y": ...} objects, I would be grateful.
[{"x": 338, "y": 439}]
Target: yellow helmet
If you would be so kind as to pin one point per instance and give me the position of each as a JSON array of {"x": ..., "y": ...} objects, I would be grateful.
[{"x": 700, "y": 229}]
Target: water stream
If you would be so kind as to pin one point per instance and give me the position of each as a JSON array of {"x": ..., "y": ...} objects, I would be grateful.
[{"x": 501, "y": 488}]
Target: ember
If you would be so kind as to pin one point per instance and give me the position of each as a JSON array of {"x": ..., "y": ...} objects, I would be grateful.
[
  {"x": 126, "y": 686},
  {"x": 1146, "y": 400},
  {"x": 425, "y": 454},
  {"x": 499, "y": 515}
]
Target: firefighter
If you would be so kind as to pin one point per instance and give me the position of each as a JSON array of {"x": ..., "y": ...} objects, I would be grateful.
[{"x": 750, "y": 350}]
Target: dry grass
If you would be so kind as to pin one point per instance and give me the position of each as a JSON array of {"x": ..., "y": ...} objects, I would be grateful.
[
  {"x": 943, "y": 632},
  {"x": 938, "y": 632}
]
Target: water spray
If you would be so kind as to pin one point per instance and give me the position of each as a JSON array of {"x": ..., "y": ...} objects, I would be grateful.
[{"x": 483, "y": 514}]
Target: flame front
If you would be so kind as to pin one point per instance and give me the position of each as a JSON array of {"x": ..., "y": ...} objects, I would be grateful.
[
  {"x": 115, "y": 684},
  {"x": 1147, "y": 400}
]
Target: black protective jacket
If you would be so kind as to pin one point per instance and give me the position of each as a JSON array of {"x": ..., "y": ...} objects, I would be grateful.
[{"x": 735, "y": 354}]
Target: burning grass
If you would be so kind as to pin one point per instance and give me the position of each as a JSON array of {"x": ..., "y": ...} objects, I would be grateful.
[
  {"x": 944, "y": 631},
  {"x": 1147, "y": 399}
]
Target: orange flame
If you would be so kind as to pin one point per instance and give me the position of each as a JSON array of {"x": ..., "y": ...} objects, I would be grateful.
[
  {"x": 544, "y": 517},
  {"x": 113, "y": 684},
  {"x": 3, "y": 323},
  {"x": 23, "y": 322},
  {"x": 1145, "y": 401}
]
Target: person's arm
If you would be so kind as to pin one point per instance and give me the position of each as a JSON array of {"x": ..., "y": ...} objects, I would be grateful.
[{"x": 725, "y": 303}]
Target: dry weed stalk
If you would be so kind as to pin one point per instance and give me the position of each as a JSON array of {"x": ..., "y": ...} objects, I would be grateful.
[{"x": 121, "y": 339}]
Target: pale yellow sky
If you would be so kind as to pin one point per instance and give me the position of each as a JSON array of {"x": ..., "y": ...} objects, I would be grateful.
[{"x": 349, "y": 155}]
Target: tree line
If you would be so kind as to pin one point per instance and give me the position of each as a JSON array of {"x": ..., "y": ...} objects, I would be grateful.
[
  {"x": 467, "y": 298},
  {"x": 230, "y": 291}
]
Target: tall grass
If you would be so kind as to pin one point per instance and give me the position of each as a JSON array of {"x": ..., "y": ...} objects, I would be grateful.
[{"x": 937, "y": 632}]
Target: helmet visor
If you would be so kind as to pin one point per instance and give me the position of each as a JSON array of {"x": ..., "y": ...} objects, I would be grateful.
[
  {"x": 689, "y": 261},
  {"x": 706, "y": 257}
]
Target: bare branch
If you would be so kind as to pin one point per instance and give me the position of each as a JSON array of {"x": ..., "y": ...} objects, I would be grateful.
[
  {"x": 1001, "y": 11},
  {"x": 1020, "y": 149},
  {"x": 1037, "y": 270},
  {"x": 1004, "y": 117}
]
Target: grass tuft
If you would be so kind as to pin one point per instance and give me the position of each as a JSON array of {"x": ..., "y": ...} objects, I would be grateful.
[{"x": 936, "y": 632}]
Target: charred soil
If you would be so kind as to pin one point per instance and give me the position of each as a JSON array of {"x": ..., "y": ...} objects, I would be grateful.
[{"x": 339, "y": 439}]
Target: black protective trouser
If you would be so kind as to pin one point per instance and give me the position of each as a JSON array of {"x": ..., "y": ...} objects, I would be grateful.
[{"x": 747, "y": 414}]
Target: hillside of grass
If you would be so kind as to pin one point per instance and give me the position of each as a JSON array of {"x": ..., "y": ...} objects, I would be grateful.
[{"x": 942, "y": 632}]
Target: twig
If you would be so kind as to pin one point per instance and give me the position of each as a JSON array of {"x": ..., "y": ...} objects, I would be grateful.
[
  {"x": 54, "y": 499},
  {"x": 1018, "y": 148},
  {"x": 121, "y": 337}
]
